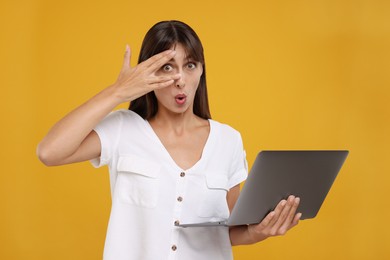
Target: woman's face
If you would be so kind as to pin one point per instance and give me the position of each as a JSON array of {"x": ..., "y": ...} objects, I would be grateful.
[{"x": 179, "y": 97}]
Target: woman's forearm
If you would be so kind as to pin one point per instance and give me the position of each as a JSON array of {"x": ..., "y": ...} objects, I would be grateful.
[{"x": 66, "y": 136}]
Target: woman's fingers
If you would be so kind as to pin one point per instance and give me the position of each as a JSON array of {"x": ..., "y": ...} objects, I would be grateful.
[
  {"x": 137, "y": 81},
  {"x": 157, "y": 61},
  {"x": 296, "y": 219},
  {"x": 282, "y": 215},
  {"x": 293, "y": 217},
  {"x": 158, "y": 82},
  {"x": 293, "y": 210},
  {"x": 163, "y": 82},
  {"x": 267, "y": 220},
  {"x": 162, "y": 79},
  {"x": 286, "y": 210},
  {"x": 285, "y": 220},
  {"x": 279, "y": 208}
]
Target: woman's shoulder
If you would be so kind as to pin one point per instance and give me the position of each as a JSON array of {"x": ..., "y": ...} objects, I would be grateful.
[
  {"x": 125, "y": 114},
  {"x": 224, "y": 129},
  {"x": 120, "y": 118}
]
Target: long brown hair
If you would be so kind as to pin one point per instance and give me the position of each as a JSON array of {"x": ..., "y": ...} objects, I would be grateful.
[{"x": 161, "y": 37}]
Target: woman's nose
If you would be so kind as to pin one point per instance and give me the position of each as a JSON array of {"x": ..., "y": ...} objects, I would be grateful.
[{"x": 180, "y": 83}]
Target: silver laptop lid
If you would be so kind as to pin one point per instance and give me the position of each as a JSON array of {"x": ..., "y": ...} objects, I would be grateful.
[{"x": 277, "y": 174}]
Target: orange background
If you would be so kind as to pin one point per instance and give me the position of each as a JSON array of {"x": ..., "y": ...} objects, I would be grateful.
[{"x": 297, "y": 74}]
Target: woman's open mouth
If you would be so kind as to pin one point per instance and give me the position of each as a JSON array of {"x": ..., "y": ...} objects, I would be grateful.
[{"x": 180, "y": 99}]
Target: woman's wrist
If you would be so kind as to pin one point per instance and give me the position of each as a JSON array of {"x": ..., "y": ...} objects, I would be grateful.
[
  {"x": 253, "y": 235},
  {"x": 116, "y": 94},
  {"x": 244, "y": 235}
]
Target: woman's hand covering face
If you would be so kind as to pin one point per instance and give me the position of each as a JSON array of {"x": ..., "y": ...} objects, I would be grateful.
[{"x": 134, "y": 82}]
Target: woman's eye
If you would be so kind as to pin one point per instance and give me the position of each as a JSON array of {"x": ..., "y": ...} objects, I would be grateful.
[
  {"x": 167, "y": 67},
  {"x": 191, "y": 65}
]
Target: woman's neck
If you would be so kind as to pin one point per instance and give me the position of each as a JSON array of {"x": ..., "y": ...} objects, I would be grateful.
[{"x": 178, "y": 123}]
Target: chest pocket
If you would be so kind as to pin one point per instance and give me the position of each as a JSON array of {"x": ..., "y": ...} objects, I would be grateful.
[
  {"x": 137, "y": 181},
  {"x": 214, "y": 203}
]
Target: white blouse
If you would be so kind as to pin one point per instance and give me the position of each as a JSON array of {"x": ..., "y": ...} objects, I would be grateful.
[{"x": 150, "y": 192}]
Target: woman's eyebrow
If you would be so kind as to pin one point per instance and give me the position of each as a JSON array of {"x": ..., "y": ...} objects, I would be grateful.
[
  {"x": 191, "y": 58},
  {"x": 171, "y": 60},
  {"x": 186, "y": 58}
]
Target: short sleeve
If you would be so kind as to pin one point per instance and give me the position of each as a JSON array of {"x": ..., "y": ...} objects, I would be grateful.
[
  {"x": 108, "y": 131},
  {"x": 239, "y": 166}
]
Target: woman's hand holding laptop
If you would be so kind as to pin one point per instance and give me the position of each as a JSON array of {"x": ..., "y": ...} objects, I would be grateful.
[{"x": 278, "y": 221}]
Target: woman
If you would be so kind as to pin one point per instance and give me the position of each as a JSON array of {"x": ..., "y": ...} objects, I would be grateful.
[{"x": 168, "y": 161}]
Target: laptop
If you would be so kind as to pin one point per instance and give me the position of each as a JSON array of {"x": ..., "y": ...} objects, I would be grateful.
[{"x": 275, "y": 175}]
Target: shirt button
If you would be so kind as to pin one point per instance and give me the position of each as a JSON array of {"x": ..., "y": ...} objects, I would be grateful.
[
  {"x": 174, "y": 248},
  {"x": 177, "y": 222},
  {"x": 179, "y": 199},
  {"x": 182, "y": 174}
]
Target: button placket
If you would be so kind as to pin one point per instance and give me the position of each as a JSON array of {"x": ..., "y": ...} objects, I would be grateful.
[
  {"x": 181, "y": 183},
  {"x": 180, "y": 192}
]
